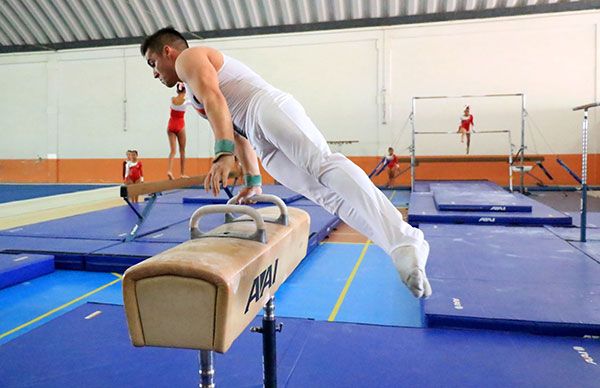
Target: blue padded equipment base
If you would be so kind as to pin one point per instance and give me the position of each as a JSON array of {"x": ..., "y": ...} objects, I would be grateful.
[
  {"x": 422, "y": 209},
  {"x": 96, "y": 352},
  {"x": 476, "y": 197},
  {"x": 286, "y": 195},
  {"x": 15, "y": 269},
  {"x": 517, "y": 278}
]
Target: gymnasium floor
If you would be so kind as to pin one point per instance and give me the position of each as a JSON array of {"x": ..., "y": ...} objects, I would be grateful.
[{"x": 345, "y": 279}]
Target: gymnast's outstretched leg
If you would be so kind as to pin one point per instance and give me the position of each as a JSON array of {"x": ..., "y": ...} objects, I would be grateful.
[{"x": 296, "y": 154}]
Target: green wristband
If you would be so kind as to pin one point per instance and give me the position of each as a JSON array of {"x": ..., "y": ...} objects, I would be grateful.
[
  {"x": 252, "y": 180},
  {"x": 223, "y": 147}
]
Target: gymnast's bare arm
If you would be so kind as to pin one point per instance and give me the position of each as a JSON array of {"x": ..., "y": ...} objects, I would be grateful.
[{"x": 197, "y": 66}]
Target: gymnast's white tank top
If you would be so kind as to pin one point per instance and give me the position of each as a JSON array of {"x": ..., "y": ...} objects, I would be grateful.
[{"x": 241, "y": 87}]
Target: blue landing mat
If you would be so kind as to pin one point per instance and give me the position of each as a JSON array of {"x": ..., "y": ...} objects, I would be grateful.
[
  {"x": 422, "y": 209},
  {"x": 108, "y": 224},
  {"x": 321, "y": 225},
  {"x": 73, "y": 351},
  {"x": 592, "y": 220},
  {"x": 19, "y": 192},
  {"x": 15, "y": 269},
  {"x": 282, "y": 192},
  {"x": 590, "y": 248},
  {"x": 473, "y": 185},
  {"x": 68, "y": 253},
  {"x": 447, "y": 197},
  {"x": 491, "y": 278}
]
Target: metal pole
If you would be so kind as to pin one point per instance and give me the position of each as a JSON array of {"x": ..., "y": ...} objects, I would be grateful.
[
  {"x": 269, "y": 330},
  {"x": 522, "y": 161},
  {"x": 584, "y": 153},
  {"x": 207, "y": 371},
  {"x": 412, "y": 147},
  {"x": 510, "y": 162}
]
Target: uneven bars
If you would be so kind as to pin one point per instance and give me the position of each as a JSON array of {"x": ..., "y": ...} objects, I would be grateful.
[
  {"x": 455, "y": 132},
  {"x": 471, "y": 96}
]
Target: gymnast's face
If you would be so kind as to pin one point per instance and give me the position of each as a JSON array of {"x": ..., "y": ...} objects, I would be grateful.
[{"x": 163, "y": 65}]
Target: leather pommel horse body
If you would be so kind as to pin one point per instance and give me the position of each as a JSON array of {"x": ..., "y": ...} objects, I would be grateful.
[{"x": 203, "y": 293}]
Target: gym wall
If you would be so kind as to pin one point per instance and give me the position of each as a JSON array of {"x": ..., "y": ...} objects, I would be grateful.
[{"x": 69, "y": 116}]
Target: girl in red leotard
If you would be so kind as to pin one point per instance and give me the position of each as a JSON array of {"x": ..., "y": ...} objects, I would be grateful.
[
  {"x": 466, "y": 126},
  {"x": 133, "y": 170},
  {"x": 176, "y": 130}
]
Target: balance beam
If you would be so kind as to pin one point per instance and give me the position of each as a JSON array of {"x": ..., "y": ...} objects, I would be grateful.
[
  {"x": 202, "y": 294},
  {"x": 159, "y": 186}
]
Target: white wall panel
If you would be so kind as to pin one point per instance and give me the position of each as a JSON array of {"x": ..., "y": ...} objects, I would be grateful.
[{"x": 23, "y": 113}]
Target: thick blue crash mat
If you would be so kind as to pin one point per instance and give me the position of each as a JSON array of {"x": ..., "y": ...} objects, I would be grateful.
[
  {"x": 15, "y": 269},
  {"x": 460, "y": 198},
  {"x": 422, "y": 208},
  {"x": 510, "y": 278},
  {"x": 90, "y": 347},
  {"x": 69, "y": 253},
  {"x": 286, "y": 195}
]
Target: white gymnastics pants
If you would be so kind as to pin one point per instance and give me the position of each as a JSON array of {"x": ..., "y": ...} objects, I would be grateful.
[{"x": 296, "y": 154}]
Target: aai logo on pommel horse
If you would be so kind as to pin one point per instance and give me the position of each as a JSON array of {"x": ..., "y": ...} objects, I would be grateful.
[
  {"x": 487, "y": 219},
  {"x": 261, "y": 282},
  {"x": 498, "y": 208}
]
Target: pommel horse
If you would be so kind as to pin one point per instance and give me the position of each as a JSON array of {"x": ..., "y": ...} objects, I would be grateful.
[{"x": 203, "y": 293}]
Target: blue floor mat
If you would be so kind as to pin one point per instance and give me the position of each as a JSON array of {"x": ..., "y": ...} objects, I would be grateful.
[
  {"x": 490, "y": 277},
  {"x": 590, "y": 248},
  {"x": 592, "y": 219},
  {"x": 31, "y": 300},
  {"x": 574, "y": 234},
  {"x": 69, "y": 253},
  {"x": 377, "y": 280},
  {"x": 119, "y": 257},
  {"x": 313, "y": 289},
  {"x": 96, "y": 352},
  {"x": 422, "y": 209},
  {"x": 202, "y": 197},
  {"x": 18, "y": 192},
  {"x": 108, "y": 224}
]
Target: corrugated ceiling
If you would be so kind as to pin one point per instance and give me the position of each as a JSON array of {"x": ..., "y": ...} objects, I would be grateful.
[{"x": 33, "y": 25}]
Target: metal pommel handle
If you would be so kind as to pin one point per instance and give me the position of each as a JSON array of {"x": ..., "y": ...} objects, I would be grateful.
[
  {"x": 283, "y": 212},
  {"x": 259, "y": 235}
]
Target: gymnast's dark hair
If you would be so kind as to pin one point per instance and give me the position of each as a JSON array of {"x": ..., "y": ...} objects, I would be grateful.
[{"x": 167, "y": 36}]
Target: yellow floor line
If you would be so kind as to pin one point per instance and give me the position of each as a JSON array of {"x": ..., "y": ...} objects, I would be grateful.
[
  {"x": 342, "y": 296},
  {"x": 119, "y": 277}
]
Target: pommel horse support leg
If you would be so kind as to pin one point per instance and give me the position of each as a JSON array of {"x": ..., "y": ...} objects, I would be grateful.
[{"x": 202, "y": 294}]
